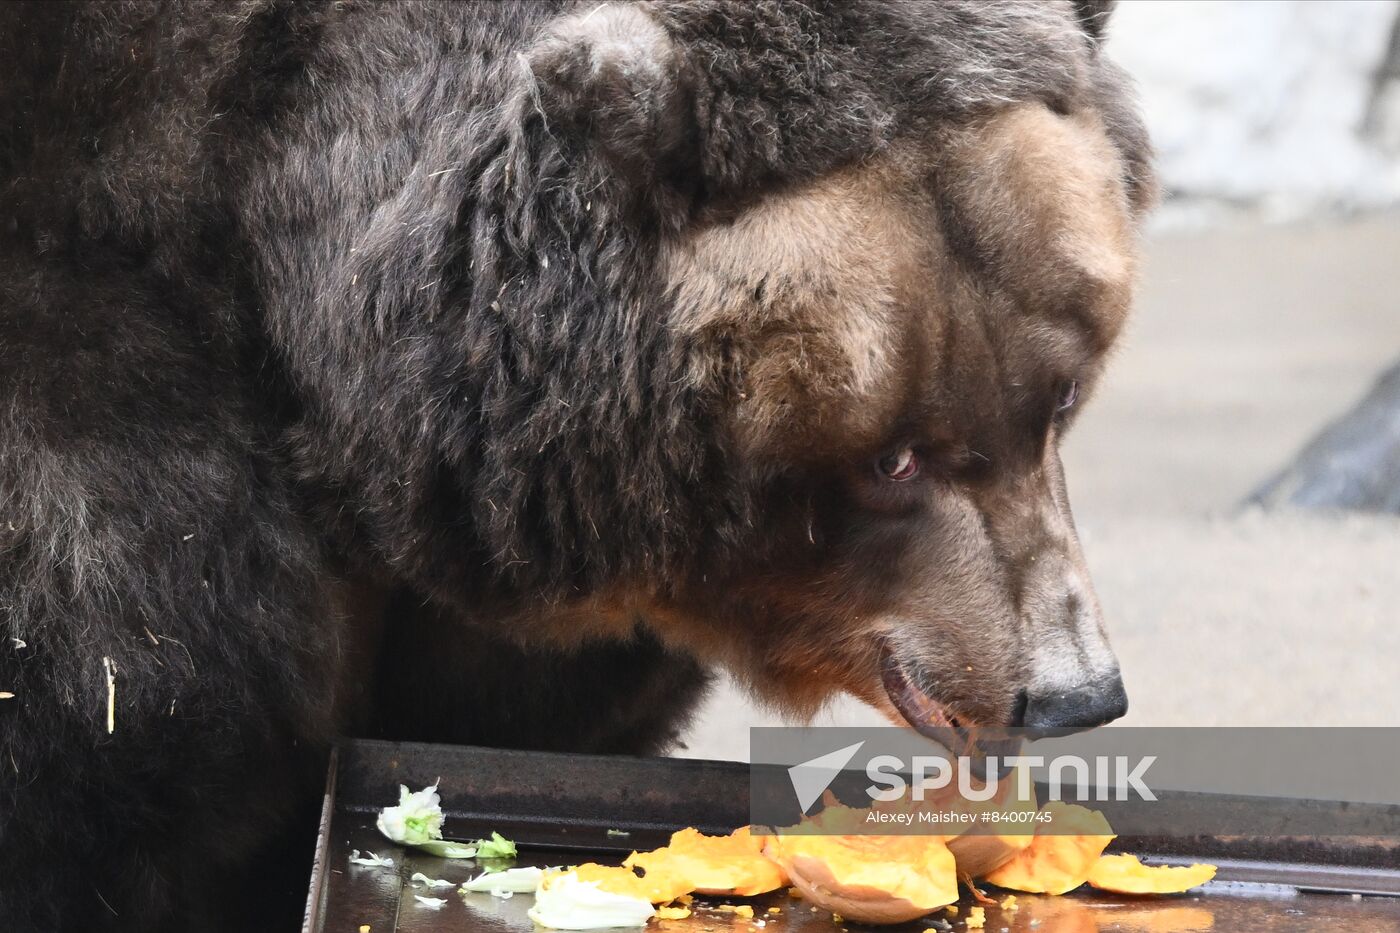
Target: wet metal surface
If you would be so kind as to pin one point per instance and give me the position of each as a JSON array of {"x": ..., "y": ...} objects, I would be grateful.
[{"x": 562, "y": 807}]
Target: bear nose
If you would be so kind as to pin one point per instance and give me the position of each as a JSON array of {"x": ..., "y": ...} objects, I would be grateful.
[{"x": 1085, "y": 707}]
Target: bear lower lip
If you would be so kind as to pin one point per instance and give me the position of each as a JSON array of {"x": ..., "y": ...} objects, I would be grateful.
[
  {"x": 925, "y": 714},
  {"x": 932, "y": 720}
]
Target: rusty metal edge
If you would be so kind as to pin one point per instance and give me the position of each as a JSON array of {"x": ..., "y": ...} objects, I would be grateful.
[{"x": 315, "y": 897}]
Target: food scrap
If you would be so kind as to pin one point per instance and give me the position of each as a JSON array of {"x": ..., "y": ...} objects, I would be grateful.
[
  {"x": 656, "y": 887},
  {"x": 1053, "y": 863},
  {"x": 1125, "y": 874},
  {"x": 564, "y": 902},
  {"x": 732, "y": 865},
  {"x": 979, "y": 853},
  {"x": 417, "y": 822},
  {"x": 512, "y": 880},
  {"x": 111, "y": 673},
  {"x": 420, "y": 878},
  {"x": 867, "y": 878},
  {"x": 496, "y": 847},
  {"x": 977, "y": 893},
  {"x": 873, "y": 879}
]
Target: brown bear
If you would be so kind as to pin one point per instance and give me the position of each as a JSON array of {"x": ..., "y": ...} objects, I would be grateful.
[{"x": 488, "y": 372}]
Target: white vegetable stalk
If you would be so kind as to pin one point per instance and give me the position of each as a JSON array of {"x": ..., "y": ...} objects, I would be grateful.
[
  {"x": 420, "y": 878},
  {"x": 445, "y": 849},
  {"x": 513, "y": 880},
  {"x": 563, "y": 902}
]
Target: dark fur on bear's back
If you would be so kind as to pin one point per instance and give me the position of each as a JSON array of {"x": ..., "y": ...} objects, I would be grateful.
[{"x": 293, "y": 295}]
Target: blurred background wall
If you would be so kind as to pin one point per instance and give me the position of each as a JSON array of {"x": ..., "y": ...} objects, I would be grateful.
[{"x": 1274, "y": 108}]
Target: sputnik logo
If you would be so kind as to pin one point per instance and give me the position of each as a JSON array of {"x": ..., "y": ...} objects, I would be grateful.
[{"x": 811, "y": 778}]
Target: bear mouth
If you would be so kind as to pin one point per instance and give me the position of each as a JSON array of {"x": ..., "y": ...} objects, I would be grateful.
[
  {"x": 923, "y": 713},
  {"x": 933, "y": 720}
]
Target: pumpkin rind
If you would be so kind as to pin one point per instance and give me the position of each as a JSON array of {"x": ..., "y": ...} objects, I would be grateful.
[
  {"x": 980, "y": 853},
  {"x": 872, "y": 879}
]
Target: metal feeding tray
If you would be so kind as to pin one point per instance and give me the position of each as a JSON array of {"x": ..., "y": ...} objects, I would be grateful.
[{"x": 564, "y": 809}]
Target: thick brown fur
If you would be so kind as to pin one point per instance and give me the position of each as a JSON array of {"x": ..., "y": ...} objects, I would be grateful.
[{"x": 357, "y": 357}]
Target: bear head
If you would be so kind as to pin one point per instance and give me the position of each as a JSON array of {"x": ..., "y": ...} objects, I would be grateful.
[{"x": 770, "y": 321}]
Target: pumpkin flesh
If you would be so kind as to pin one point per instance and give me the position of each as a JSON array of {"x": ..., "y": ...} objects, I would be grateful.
[
  {"x": 723, "y": 865},
  {"x": 1055, "y": 862},
  {"x": 979, "y": 853},
  {"x": 1125, "y": 874},
  {"x": 872, "y": 879},
  {"x": 659, "y": 887}
]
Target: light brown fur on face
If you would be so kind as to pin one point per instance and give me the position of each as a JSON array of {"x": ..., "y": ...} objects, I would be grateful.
[
  {"x": 938, "y": 297},
  {"x": 1051, "y": 213},
  {"x": 805, "y": 283}
]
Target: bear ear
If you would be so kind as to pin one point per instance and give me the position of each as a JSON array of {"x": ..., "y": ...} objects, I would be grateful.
[
  {"x": 614, "y": 76},
  {"x": 1093, "y": 16}
]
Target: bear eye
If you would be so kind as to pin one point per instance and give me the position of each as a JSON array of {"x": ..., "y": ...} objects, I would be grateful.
[
  {"x": 900, "y": 466},
  {"x": 1068, "y": 395}
]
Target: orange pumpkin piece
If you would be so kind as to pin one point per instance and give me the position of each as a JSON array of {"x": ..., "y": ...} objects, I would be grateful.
[
  {"x": 1125, "y": 874},
  {"x": 835, "y": 818},
  {"x": 724, "y": 865},
  {"x": 1054, "y": 863},
  {"x": 977, "y": 852},
  {"x": 872, "y": 879},
  {"x": 980, "y": 853},
  {"x": 660, "y": 886}
]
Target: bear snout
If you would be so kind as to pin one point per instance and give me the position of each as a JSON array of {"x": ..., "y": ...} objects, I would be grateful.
[{"x": 1095, "y": 703}]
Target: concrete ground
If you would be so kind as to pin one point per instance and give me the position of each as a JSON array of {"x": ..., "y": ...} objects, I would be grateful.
[{"x": 1245, "y": 342}]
